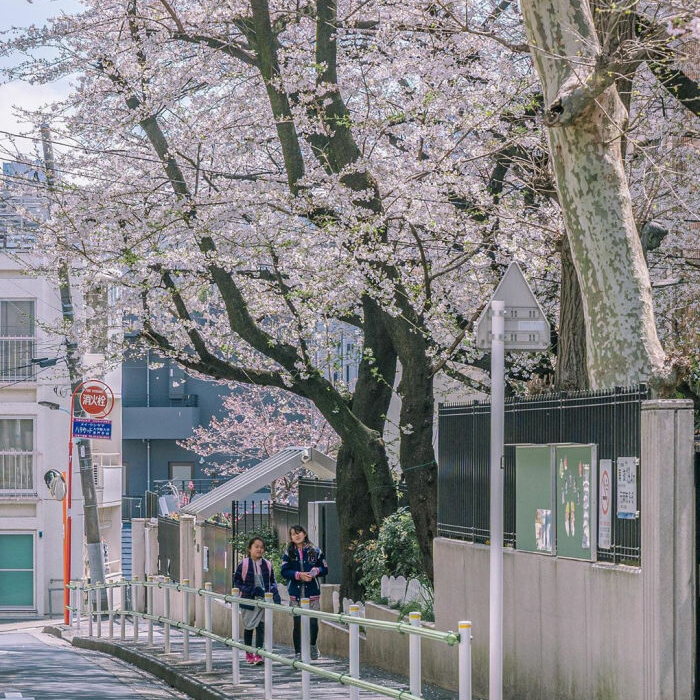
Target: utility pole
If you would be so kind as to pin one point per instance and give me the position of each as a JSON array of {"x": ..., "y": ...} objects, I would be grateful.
[{"x": 91, "y": 519}]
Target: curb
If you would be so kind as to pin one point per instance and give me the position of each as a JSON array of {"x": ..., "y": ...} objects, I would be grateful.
[{"x": 195, "y": 689}]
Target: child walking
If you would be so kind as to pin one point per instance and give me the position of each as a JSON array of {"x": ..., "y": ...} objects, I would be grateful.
[
  {"x": 254, "y": 577},
  {"x": 302, "y": 566}
]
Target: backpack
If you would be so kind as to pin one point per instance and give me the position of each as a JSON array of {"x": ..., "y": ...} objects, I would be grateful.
[{"x": 244, "y": 570}]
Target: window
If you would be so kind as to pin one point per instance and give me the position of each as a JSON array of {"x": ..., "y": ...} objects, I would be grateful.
[
  {"x": 17, "y": 570},
  {"x": 17, "y": 455},
  {"x": 17, "y": 328},
  {"x": 181, "y": 471}
]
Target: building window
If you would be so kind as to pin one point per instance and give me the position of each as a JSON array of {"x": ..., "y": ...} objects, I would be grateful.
[
  {"x": 17, "y": 340},
  {"x": 17, "y": 456},
  {"x": 16, "y": 570},
  {"x": 181, "y": 471}
]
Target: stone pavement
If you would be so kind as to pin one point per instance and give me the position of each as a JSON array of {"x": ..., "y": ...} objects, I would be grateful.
[{"x": 218, "y": 682}]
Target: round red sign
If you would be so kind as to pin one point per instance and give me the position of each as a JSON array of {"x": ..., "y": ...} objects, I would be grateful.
[{"x": 97, "y": 399}]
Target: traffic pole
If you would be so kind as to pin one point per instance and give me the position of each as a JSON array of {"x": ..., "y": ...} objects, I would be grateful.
[{"x": 496, "y": 501}]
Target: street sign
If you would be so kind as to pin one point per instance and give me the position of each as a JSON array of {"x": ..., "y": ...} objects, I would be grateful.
[
  {"x": 605, "y": 505},
  {"x": 96, "y": 399},
  {"x": 526, "y": 327},
  {"x": 92, "y": 428}
]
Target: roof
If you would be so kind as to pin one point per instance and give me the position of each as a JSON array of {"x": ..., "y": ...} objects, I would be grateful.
[{"x": 251, "y": 480}]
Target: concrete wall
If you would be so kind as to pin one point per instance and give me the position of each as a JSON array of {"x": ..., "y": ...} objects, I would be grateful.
[{"x": 575, "y": 629}]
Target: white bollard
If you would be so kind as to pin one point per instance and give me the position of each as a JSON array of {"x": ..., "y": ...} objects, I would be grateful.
[
  {"x": 71, "y": 603},
  {"x": 134, "y": 594},
  {"x": 166, "y": 615},
  {"x": 414, "y": 656},
  {"x": 89, "y": 611},
  {"x": 186, "y": 620},
  {"x": 149, "y": 610},
  {"x": 98, "y": 593},
  {"x": 207, "y": 625},
  {"x": 110, "y": 612},
  {"x": 79, "y": 605},
  {"x": 465, "y": 660},
  {"x": 268, "y": 647},
  {"x": 305, "y": 651},
  {"x": 235, "y": 636},
  {"x": 354, "y": 654},
  {"x": 122, "y": 609}
]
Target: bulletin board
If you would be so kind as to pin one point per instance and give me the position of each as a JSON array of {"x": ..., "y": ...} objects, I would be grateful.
[{"x": 534, "y": 503}]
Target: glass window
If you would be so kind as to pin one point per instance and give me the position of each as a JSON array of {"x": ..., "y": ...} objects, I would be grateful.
[
  {"x": 16, "y": 435},
  {"x": 17, "y": 319}
]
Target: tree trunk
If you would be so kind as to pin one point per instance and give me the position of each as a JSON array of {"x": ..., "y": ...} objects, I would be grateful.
[
  {"x": 570, "y": 374},
  {"x": 621, "y": 340}
]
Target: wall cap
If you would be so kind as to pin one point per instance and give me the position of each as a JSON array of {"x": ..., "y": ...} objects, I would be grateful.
[{"x": 667, "y": 404}]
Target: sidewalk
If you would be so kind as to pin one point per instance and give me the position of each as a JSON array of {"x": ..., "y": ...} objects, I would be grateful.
[{"x": 191, "y": 677}]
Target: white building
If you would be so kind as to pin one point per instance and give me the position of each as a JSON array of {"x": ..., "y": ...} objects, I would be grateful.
[{"x": 33, "y": 438}]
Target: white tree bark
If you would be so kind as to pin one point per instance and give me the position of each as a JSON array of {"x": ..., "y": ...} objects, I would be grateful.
[{"x": 622, "y": 344}]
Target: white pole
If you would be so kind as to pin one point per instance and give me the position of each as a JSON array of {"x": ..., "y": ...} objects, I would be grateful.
[
  {"x": 496, "y": 503},
  {"x": 354, "y": 630},
  {"x": 98, "y": 593},
  {"x": 89, "y": 611},
  {"x": 134, "y": 593},
  {"x": 186, "y": 620},
  {"x": 110, "y": 612},
  {"x": 235, "y": 635},
  {"x": 207, "y": 624},
  {"x": 149, "y": 610},
  {"x": 414, "y": 658},
  {"x": 465, "y": 660},
  {"x": 268, "y": 647},
  {"x": 166, "y": 615},
  {"x": 305, "y": 650},
  {"x": 71, "y": 602},
  {"x": 79, "y": 605},
  {"x": 122, "y": 608}
]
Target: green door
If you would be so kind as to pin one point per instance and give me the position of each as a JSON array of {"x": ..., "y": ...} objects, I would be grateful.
[{"x": 16, "y": 571}]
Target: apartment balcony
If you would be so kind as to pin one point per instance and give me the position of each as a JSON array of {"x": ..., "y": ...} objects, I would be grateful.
[
  {"x": 173, "y": 422},
  {"x": 107, "y": 474},
  {"x": 17, "y": 480},
  {"x": 16, "y": 355}
]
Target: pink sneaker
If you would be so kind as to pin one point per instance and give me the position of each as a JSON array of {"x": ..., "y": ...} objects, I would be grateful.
[
  {"x": 258, "y": 659},
  {"x": 250, "y": 658}
]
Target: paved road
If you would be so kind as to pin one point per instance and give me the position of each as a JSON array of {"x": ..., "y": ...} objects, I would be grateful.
[{"x": 36, "y": 665}]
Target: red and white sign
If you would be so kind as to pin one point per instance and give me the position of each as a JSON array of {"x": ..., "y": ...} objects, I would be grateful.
[
  {"x": 605, "y": 505},
  {"x": 96, "y": 399}
]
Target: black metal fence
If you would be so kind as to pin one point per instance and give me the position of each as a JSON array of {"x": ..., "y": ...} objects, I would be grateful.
[
  {"x": 610, "y": 419},
  {"x": 169, "y": 548}
]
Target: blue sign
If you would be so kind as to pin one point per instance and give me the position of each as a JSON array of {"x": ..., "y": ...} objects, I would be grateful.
[{"x": 92, "y": 428}]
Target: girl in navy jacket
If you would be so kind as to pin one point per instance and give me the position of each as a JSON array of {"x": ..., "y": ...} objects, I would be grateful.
[
  {"x": 302, "y": 566},
  {"x": 254, "y": 577}
]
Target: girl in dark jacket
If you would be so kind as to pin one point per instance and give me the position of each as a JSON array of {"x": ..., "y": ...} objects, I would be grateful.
[
  {"x": 254, "y": 577},
  {"x": 302, "y": 566}
]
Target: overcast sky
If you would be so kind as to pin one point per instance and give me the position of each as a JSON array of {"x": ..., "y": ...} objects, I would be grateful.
[{"x": 20, "y": 13}]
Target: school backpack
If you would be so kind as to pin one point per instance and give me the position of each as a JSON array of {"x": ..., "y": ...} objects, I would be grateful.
[{"x": 244, "y": 570}]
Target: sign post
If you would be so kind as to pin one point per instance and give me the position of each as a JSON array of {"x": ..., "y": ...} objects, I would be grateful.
[{"x": 512, "y": 321}]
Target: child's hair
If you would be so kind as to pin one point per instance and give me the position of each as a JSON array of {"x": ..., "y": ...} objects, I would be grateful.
[
  {"x": 253, "y": 539},
  {"x": 291, "y": 547}
]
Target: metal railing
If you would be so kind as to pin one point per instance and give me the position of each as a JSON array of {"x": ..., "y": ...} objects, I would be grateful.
[
  {"x": 16, "y": 355},
  {"x": 97, "y": 594},
  {"x": 17, "y": 474},
  {"x": 132, "y": 507}
]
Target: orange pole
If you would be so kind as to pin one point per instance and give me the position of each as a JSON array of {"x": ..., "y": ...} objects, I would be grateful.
[
  {"x": 68, "y": 538},
  {"x": 66, "y": 563}
]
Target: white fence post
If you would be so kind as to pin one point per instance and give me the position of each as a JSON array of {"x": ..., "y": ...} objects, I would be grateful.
[
  {"x": 79, "y": 605},
  {"x": 149, "y": 610},
  {"x": 166, "y": 615},
  {"x": 134, "y": 594},
  {"x": 186, "y": 620},
  {"x": 122, "y": 608},
  {"x": 354, "y": 630},
  {"x": 268, "y": 647},
  {"x": 465, "y": 660},
  {"x": 235, "y": 636},
  {"x": 98, "y": 593},
  {"x": 305, "y": 650},
  {"x": 89, "y": 611},
  {"x": 414, "y": 656},
  {"x": 110, "y": 612},
  {"x": 207, "y": 625}
]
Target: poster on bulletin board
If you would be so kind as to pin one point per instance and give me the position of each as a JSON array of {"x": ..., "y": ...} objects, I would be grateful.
[{"x": 576, "y": 502}]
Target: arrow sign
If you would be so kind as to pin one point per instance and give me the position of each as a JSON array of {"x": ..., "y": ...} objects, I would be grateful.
[{"x": 526, "y": 327}]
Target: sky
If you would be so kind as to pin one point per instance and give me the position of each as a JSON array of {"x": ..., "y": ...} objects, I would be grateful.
[{"x": 20, "y": 13}]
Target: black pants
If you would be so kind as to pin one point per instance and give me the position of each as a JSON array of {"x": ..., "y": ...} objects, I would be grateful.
[
  {"x": 296, "y": 636},
  {"x": 259, "y": 635}
]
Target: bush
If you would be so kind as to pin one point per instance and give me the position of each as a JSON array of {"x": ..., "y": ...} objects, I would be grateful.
[
  {"x": 266, "y": 534},
  {"x": 395, "y": 552}
]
